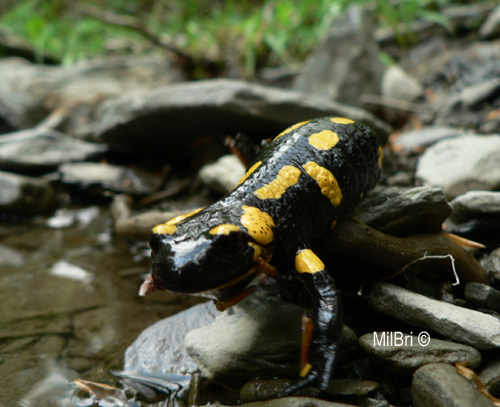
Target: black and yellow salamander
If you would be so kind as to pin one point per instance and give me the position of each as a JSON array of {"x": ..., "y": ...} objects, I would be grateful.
[{"x": 305, "y": 180}]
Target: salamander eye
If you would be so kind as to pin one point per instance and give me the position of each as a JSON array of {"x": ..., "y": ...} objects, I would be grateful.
[{"x": 231, "y": 245}]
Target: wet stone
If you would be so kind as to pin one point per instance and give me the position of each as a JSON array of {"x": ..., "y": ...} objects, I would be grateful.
[
  {"x": 462, "y": 164},
  {"x": 404, "y": 211},
  {"x": 483, "y": 296},
  {"x": 159, "y": 349},
  {"x": 22, "y": 195},
  {"x": 475, "y": 204},
  {"x": 460, "y": 324},
  {"x": 259, "y": 337},
  {"x": 409, "y": 354},
  {"x": 224, "y": 174},
  {"x": 439, "y": 384}
]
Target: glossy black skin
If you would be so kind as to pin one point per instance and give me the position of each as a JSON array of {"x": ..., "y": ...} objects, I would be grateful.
[{"x": 191, "y": 260}]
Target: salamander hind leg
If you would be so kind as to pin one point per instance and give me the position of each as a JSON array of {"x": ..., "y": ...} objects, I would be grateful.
[{"x": 327, "y": 320}]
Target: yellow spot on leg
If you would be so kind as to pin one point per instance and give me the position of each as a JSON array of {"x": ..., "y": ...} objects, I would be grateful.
[
  {"x": 324, "y": 140},
  {"x": 326, "y": 181},
  {"x": 169, "y": 227},
  {"x": 259, "y": 224},
  {"x": 305, "y": 370},
  {"x": 224, "y": 229},
  {"x": 380, "y": 157},
  {"x": 291, "y": 128},
  {"x": 248, "y": 173},
  {"x": 287, "y": 177},
  {"x": 341, "y": 120},
  {"x": 307, "y": 262}
]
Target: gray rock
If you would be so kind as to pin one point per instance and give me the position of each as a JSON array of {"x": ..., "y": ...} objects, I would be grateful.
[
  {"x": 159, "y": 349},
  {"x": 491, "y": 263},
  {"x": 257, "y": 338},
  {"x": 21, "y": 195},
  {"x": 408, "y": 354},
  {"x": 439, "y": 384},
  {"x": 109, "y": 177},
  {"x": 475, "y": 204},
  {"x": 483, "y": 296},
  {"x": 398, "y": 84},
  {"x": 462, "y": 164},
  {"x": 460, "y": 324},
  {"x": 10, "y": 257},
  {"x": 165, "y": 120},
  {"x": 224, "y": 174},
  {"x": 42, "y": 150},
  {"x": 404, "y": 211},
  {"x": 291, "y": 402},
  {"x": 29, "y": 92},
  {"x": 491, "y": 27},
  {"x": 345, "y": 65},
  {"x": 425, "y": 137},
  {"x": 470, "y": 106},
  {"x": 490, "y": 376}
]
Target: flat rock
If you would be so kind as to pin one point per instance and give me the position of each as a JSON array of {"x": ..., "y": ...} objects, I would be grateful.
[
  {"x": 259, "y": 337},
  {"x": 159, "y": 349},
  {"x": 462, "y": 164},
  {"x": 439, "y": 384},
  {"x": 425, "y": 137},
  {"x": 483, "y": 296},
  {"x": 475, "y": 204},
  {"x": 42, "y": 150},
  {"x": 22, "y": 195},
  {"x": 460, "y": 324},
  {"x": 109, "y": 177},
  {"x": 407, "y": 353},
  {"x": 224, "y": 174},
  {"x": 164, "y": 121},
  {"x": 404, "y": 211}
]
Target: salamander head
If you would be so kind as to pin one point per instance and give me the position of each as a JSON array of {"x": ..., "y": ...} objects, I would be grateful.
[{"x": 217, "y": 263}]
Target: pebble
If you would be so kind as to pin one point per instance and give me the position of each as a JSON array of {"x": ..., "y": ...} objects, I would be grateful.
[
  {"x": 408, "y": 354},
  {"x": 439, "y": 384},
  {"x": 159, "y": 349},
  {"x": 404, "y": 211},
  {"x": 483, "y": 296},
  {"x": 462, "y": 164},
  {"x": 224, "y": 174},
  {"x": 22, "y": 195},
  {"x": 398, "y": 84},
  {"x": 167, "y": 119},
  {"x": 460, "y": 324},
  {"x": 259, "y": 337},
  {"x": 475, "y": 204}
]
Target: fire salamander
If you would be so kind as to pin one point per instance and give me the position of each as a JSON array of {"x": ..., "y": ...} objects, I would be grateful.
[{"x": 294, "y": 192}]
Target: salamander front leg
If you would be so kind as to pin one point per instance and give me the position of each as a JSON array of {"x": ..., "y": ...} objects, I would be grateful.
[{"x": 327, "y": 320}]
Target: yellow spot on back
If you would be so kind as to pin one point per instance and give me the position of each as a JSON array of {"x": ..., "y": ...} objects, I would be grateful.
[
  {"x": 380, "y": 157},
  {"x": 224, "y": 229},
  {"x": 341, "y": 120},
  {"x": 307, "y": 262},
  {"x": 259, "y": 224},
  {"x": 169, "y": 227},
  {"x": 248, "y": 173},
  {"x": 326, "y": 181},
  {"x": 324, "y": 140},
  {"x": 291, "y": 128},
  {"x": 287, "y": 177}
]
